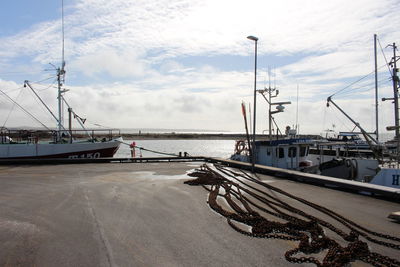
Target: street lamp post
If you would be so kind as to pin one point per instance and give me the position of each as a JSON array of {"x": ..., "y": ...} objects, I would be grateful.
[{"x": 253, "y": 150}]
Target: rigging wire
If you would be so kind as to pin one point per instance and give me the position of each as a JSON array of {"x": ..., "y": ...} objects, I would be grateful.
[
  {"x": 340, "y": 120},
  {"x": 387, "y": 64},
  {"x": 366, "y": 87},
  {"x": 15, "y": 89},
  {"x": 362, "y": 78},
  {"x": 20, "y": 88},
  {"x": 40, "y": 105},
  {"x": 335, "y": 115},
  {"x": 11, "y": 110},
  {"x": 37, "y": 82},
  {"x": 27, "y": 112},
  {"x": 48, "y": 87}
]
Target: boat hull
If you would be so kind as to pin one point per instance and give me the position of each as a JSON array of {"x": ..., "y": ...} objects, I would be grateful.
[
  {"x": 387, "y": 177},
  {"x": 47, "y": 150}
]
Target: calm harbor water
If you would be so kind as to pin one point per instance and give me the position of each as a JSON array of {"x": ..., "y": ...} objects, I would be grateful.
[{"x": 210, "y": 148}]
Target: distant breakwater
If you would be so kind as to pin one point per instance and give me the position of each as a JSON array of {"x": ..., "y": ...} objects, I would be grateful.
[
  {"x": 205, "y": 136},
  {"x": 82, "y": 134}
]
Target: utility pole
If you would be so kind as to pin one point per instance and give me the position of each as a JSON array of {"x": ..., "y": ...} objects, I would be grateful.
[{"x": 253, "y": 150}]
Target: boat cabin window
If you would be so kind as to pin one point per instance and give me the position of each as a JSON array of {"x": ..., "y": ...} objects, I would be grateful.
[
  {"x": 292, "y": 152},
  {"x": 303, "y": 151},
  {"x": 268, "y": 151},
  {"x": 280, "y": 152}
]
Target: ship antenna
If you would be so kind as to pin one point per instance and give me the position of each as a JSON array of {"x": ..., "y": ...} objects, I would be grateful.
[
  {"x": 61, "y": 77},
  {"x": 62, "y": 26},
  {"x": 269, "y": 76}
]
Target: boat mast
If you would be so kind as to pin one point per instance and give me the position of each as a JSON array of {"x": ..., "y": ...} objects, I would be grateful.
[
  {"x": 269, "y": 109},
  {"x": 279, "y": 106},
  {"x": 395, "y": 79},
  {"x": 297, "y": 111},
  {"x": 269, "y": 90},
  {"x": 269, "y": 102},
  {"x": 61, "y": 77},
  {"x": 376, "y": 91}
]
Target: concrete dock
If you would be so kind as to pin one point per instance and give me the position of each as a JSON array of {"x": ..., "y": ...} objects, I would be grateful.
[{"x": 142, "y": 214}]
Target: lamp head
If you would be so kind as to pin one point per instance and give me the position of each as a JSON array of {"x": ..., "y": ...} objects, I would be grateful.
[{"x": 251, "y": 37}]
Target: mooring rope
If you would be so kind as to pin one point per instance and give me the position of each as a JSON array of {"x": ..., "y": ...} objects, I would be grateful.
[{"x": 149, "y": 150}]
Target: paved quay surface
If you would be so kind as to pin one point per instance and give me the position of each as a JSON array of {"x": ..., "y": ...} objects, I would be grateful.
[{"x": 143, "y": 215}]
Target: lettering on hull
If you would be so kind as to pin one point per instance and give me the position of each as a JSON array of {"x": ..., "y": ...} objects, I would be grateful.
[
  {"x": 89, "y": 154},
  {"x": 396, "y": 179},
  {"x": 95, "y": 155}
]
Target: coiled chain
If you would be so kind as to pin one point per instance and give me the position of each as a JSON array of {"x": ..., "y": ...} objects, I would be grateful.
[{"x": 246, "y": 201}]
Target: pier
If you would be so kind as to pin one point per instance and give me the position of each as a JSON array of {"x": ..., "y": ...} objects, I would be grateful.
[
  {"x": 340, "y": 184},
  {"x": 125, "y": 212}
]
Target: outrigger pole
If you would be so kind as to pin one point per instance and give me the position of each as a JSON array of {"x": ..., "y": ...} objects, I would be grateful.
[
  {"x": 329, "y": 100},
  {"x": 26, "y": 83},
  {"x": 366, "y": 135}
]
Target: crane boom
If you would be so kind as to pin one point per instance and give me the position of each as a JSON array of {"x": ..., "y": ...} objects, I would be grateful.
[{"x": 329, "y": 100}]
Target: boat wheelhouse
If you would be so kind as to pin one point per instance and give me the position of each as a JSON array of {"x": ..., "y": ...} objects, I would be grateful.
[
  {"x": 289, "y": 153},
  {"x": 284, "y": 153}
]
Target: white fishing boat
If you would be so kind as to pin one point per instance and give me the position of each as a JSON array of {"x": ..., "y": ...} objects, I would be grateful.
[
  {"x": 287, "y": 152},
  {"x": 377, "y": 165},
  {"x": 62, "y": 142},
  {"x": 24, "y": 144}
]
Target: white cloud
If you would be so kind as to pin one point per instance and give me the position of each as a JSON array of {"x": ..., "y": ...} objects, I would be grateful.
[
  {"x": 111, "y": 62},
  {"x": 132, "y": 52}
]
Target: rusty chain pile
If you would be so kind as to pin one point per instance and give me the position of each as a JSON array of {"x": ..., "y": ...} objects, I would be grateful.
[{"x": 249, "y": 205}]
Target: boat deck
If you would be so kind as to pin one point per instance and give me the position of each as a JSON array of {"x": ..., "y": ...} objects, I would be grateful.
[{"x": 144, "y": 215}]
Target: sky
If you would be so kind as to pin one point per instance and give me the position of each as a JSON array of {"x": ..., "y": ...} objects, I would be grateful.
[{"x": 187, "y": 64}]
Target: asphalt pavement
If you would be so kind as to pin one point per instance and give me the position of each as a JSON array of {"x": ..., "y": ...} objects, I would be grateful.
[{"x": 141, "y": 214}]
